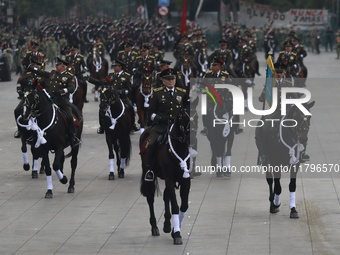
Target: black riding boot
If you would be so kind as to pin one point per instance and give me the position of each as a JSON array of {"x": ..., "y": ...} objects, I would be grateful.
[
  {"x": 150, "y": 159},
  {"x": 74, "y": 141}
]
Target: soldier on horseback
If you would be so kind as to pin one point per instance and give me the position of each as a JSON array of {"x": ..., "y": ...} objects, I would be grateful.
[
  {"x": 288, "y": 58},
  {"x": 60, "y": 83},
  {"x": 165, "y": 104},
  {"x": 223, "y": 53},
  {"x": 163, "y": 65},
  {"x": 121, "y": 80},
  {"x": 301, "y": 53},
  {"x": 78, "y": 63},
  {"x": 34, "y": 54}
]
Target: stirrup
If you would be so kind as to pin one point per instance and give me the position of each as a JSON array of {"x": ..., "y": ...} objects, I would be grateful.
[{"x": 149, "y": 176}]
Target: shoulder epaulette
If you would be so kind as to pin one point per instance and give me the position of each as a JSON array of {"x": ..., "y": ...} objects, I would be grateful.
[
  {"x": 225, "y": 72},
  {"x": 209, "y": 71},
  {"x": 182, "y": 90},
  {"x": 126, "y": 73},
  {"x": 68, "y": 55},
  {"x": 158, "y": 89},
  {"x": 293, "y": 53},
  {"x": 282, "y": 52},
  {"x": 150, "y": 56}
]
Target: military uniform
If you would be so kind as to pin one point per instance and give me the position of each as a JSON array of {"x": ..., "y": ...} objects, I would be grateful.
[
  {"x": 37, "y": 56},
  {"x": 289, "y": 59},
  {"x": 129, "y": 58},
  {"x": 59, "y": 86},
  {"x": 163, "y": 109},
  {"x": 78, "y": 63}
]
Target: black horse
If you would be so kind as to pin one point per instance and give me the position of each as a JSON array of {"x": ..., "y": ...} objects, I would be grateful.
[
  {"x": 26, "y": 135},
  {"x": 220, "y": 131},
  {"x": 117, "y": 125},
  {"x": 51, "y": 134},
  {"x": 171, "y": 166},
  {"x": 280, "y": 148}
]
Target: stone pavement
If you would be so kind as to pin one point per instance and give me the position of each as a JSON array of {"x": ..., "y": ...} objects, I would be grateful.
[{"x": 226, "y": 216}]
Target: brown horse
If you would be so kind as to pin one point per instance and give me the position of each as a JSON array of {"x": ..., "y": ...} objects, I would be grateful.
[
  {"x": 98, "y": 67},
  {"x": 188, "y": 69},
  {"x": 142, "y": 99}
]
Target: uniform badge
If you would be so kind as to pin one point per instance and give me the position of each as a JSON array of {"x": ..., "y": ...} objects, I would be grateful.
[
  {"x": 64, "y": 79},
  {"x": 291, "y": 57},
  {"x": 179, "y": 99}
]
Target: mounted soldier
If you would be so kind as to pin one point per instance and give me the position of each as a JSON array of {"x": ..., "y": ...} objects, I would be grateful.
[
  {"x": 78, "y": 62},
  {"x": 289, "y": 58},
  {"x": 59, "y": 84},
  {"x": 165, "y": 104},
  {"x": 34, "y": 54},
  {"x": 163, "y": 65}
]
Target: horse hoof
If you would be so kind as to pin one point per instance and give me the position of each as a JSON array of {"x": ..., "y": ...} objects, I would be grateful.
[
  {"x": 274, "y": 208},
  {"x": 177, "y": 238},
  {"x": 49, "y": 194},
  {"x": 70, "y": 190},
  {"x": 34, "y": 174},
  {"x": 294, "y": 214},
  {"x": 121, "y": 173},
  {"x": 167, "y": 228},
  {"x": 111, "y": 176},
  {"x": 26, "y": 167},
  {"x": 155, "y": 231},
  {"x": 64, "y": 180}
]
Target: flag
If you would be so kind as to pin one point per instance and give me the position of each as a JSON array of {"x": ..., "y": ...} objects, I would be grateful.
[
  {"x": 184, "y": 18},
  {"x": 270, "y": 81}
]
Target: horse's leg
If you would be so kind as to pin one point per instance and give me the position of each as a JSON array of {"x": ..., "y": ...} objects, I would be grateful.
[
  {"x": 275, "y": 196},
  {"x": 176, "y": 232},
  {"x": 184, "y": 193},
  {"x": 74, "y": 163},
  {"x": 148, "y": 189},
  {"x": 140, "y": 114},
  {"x": 292, "y": 188},
  {"x": 111, "y": 158},
  {"x": 57, "y": 167},
  {"x": 227, "y": 159},
  {"x": 26, "y": 165},
  {"x": 96, "y": 93},
  {"x": 167, "y": 214},
  {"x": 117, "y": 149},
  {"x": 48, "y": 171}
]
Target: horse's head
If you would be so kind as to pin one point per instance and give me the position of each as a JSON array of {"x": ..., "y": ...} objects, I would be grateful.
[
  {"x": 30, "y": 105},
  {"x": 108, "y": 96},
  {"x": 302, "y": 122},
  {"x": 146, "y": 82},
  {"x": 224, "y": 103}
]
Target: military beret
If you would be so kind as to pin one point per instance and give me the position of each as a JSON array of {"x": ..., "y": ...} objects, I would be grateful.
[
  {"x": 35, "y": 44},
  {"x": 157, "y": 44},
  {"x": 248, "y": 34},
  {"x": 280, "y": 67},
  {"x": 118, "y": 62},
  {"x": 163, "y": 62},
  {"x": 62, "y": 62},
  {"x": 218, "y": 61},
  {"x": 242, "y": 39},
  {"x": 168, "y": 73},
  {"x": 145, "y": 47},
  {"x": 295, "y": 38},
  {"x": 129, "y": 43},
  {"x": 288, "y": 43},
  {"x": 223, "y": 41}
]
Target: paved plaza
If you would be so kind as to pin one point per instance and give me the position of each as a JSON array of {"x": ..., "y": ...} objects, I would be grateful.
[{"x": 225, "y": 216}]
